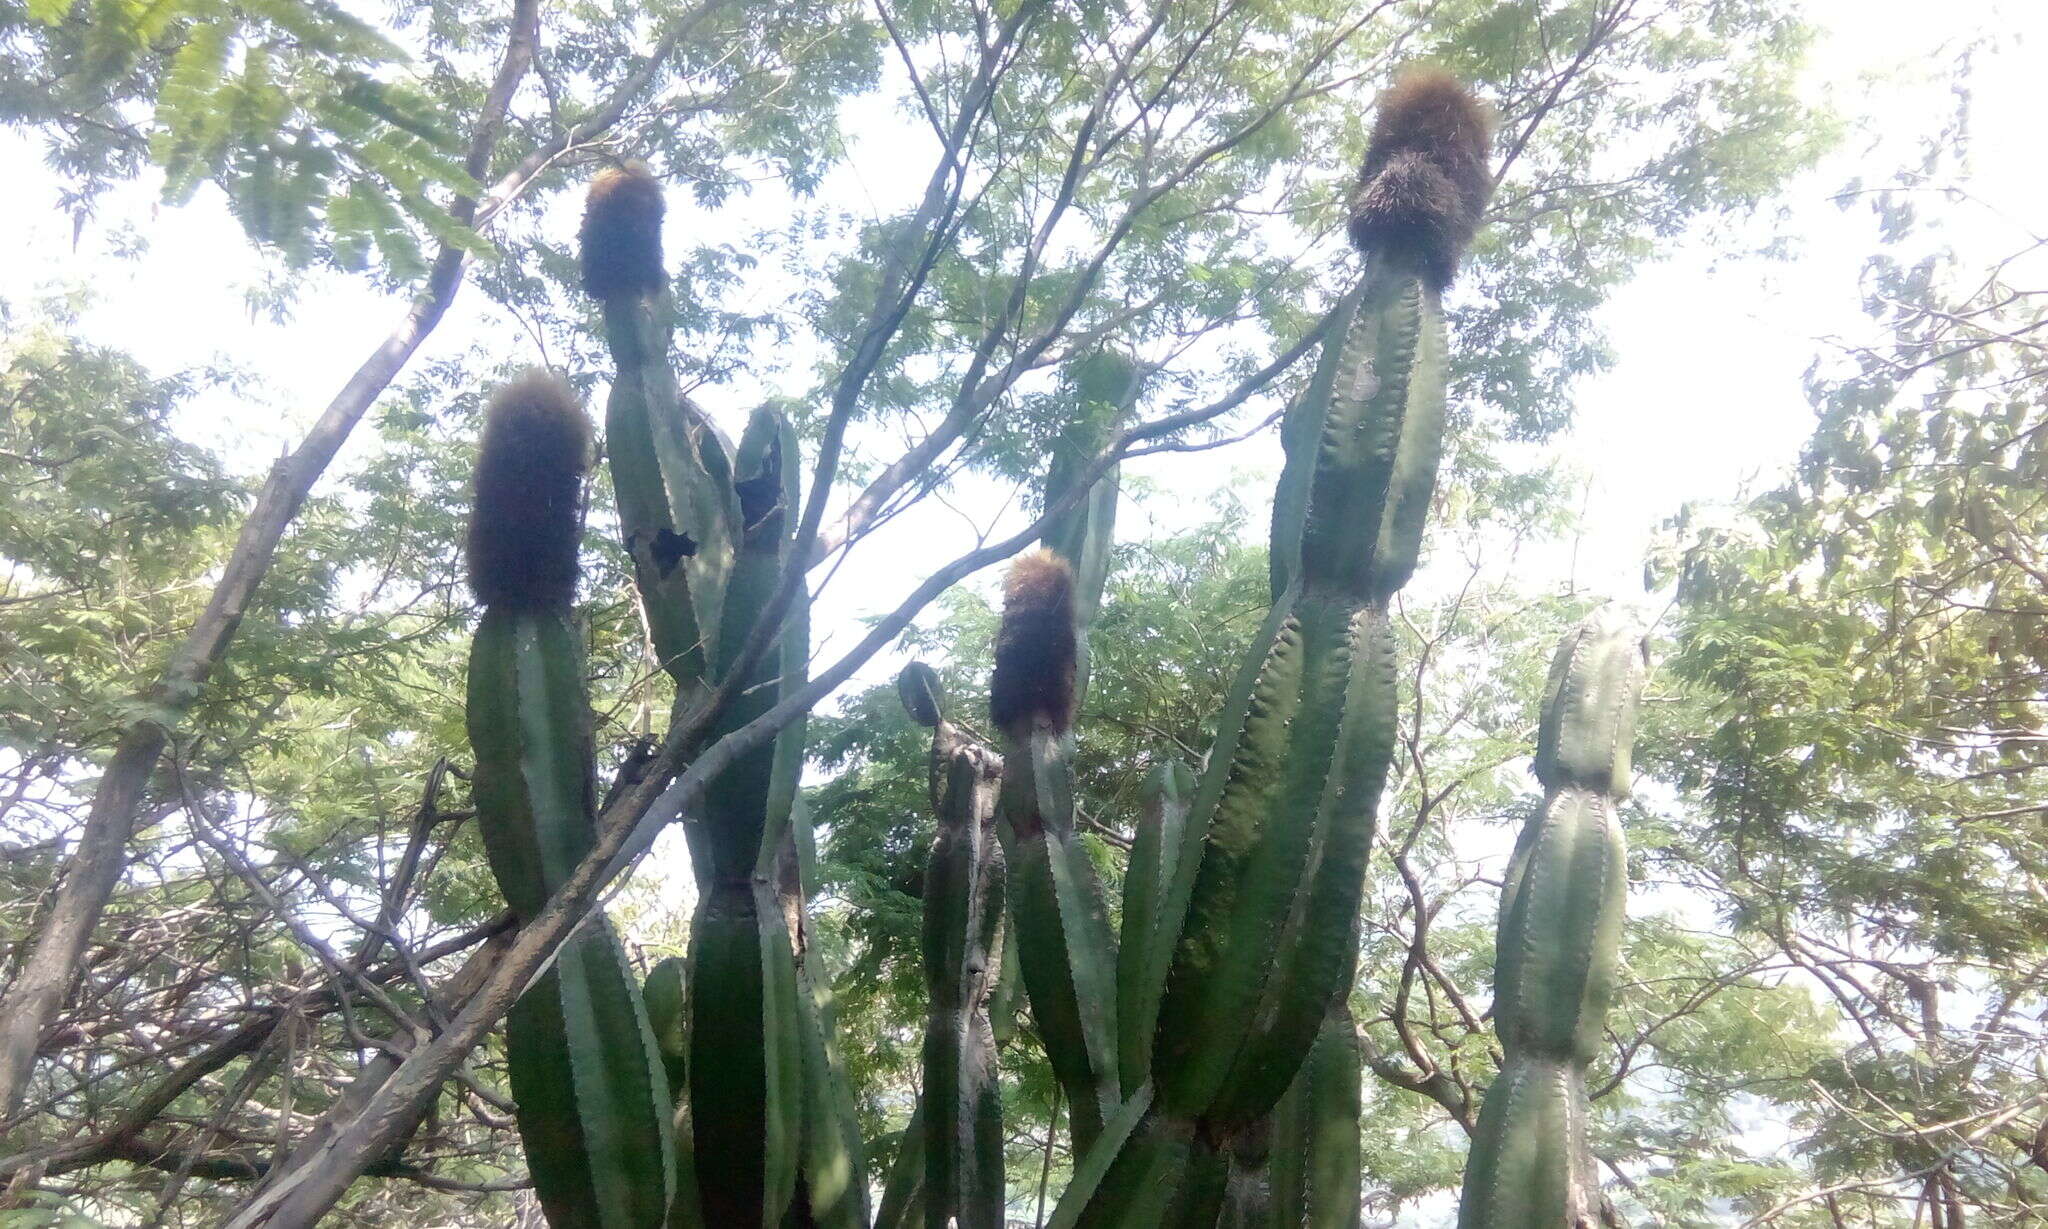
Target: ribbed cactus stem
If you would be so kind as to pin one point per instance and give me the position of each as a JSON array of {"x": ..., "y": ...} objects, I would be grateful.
[
  {"x": 1268, "y": 935},
  {"x": 766, "y": 1107},
  {"x": 670, "y": 471},
  {"x": 1267, "y": 913},
  {"x": 1066, "y": 950},
  {"x": 963, "y": 1112},
  {"x": 585, "y": 1070},
  {"x": 1162, "y": 843},
  {"x": 1559, "y": 941},
  {"x": 1314, "y": 1169}
]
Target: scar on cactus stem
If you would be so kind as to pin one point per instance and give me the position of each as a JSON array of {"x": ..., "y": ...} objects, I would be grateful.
[
  {"x": 527, "y": 519},
  {"x": 1035, "y": 646},
  {"x": 621, "y": 236},
  {"x": 1425, "y": 182}
]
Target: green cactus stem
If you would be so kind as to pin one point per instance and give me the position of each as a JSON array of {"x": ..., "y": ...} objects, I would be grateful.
[
  {"x": 1266, "y": 912},
  {"x": 1066, "y": 950},
  {"x": 672, "y": 473},
  {"x": 593, "y": 1105},
  {"x": 1162, "y": 843},
  {"x": 771, "y": 1127},
  {"x": 765, "y": 1113},
  {"x": 666, "y": 995},
  {"x": 586, "y": 1072},
  {"x": 1315, "y": 1154},
  {"x": 962, "y": 1124},
  {"x": 1100, "y": 387},
  {"x": 902, "y": 1205},
  {"x": 950, "y": 1170},
  {"x": 1559, "y": 941}
]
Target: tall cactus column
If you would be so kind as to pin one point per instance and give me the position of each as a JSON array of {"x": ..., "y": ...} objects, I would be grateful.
[
  {"x": 960, "y": 1127},
  {"x": 1268, "y": 910},
  {"x": 1066, "y": 951},
  {"x": 671, "y": 472},
  {"x": 1560, "y": 934},
  {"x": 1065, "y": 948},
  {"x": 592, "y": 1097},
  {"x": 770, "y": 1127}
]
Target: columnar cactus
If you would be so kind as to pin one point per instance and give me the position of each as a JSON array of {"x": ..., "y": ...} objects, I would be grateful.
[
  {"x": 671, "y": 473},
  {"x": 585, "y": 1070},
  {"x": 1211, "y": 1068},
  {"x": 1560, "y": 934},
  {"x": 1268, "y": 910},
  {"x": 1162, "y": 843},
  {"x": 708, "y": 526},
  {"x": 1065, "y": 948},
  {"x": 1314, "y": 1153},
  {"x": 959, "y": 1129}
]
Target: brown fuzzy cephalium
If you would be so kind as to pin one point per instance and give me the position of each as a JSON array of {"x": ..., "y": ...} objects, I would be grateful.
[
  {"x": 620, "y": 243},
  {"x": 1425, "y": 180},
  {"x": 1035, "y": 646},
  {"x": 527, "y": 519}
]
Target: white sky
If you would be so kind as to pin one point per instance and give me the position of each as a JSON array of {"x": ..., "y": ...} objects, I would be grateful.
[{"x": 1705, "y": 394}]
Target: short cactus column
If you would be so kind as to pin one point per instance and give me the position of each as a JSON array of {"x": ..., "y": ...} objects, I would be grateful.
[
  {"x": 1559, "y": 940},
  {"x": 958, "y": 1131}
]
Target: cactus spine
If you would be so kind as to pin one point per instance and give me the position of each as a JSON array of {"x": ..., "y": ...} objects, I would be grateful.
[{"x": 1559, "y": 939}]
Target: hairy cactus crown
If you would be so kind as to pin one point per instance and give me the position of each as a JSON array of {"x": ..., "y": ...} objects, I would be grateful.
[
  {"x": 1425, "y": 180},
  {"x": 620, "y": 243},
  {"x": 1035, "y": 646},
  {"x": 526, "y": 522}
]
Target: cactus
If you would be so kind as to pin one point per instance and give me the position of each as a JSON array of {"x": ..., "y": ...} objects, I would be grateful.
[
  {"x": 1065, "y": 949},
  {"x": 1160, "y": 847},
  {"x": 672, "y": 474},
  {"x": 1314, "y": 1168},
  {"x": 585, "y": 1069},
  {"x": 1559, "y": 938},
  {"x": 1267, "y": 909},
  {"x": 1211, "y": 1066},
  {"x": 962, "y": 1125},
  {"x": 949, "y": 1167},
  {"x": 902, "y": 1205},
  {"x": 666, "y": 995},
  {"x": 768, "y": 1121}
]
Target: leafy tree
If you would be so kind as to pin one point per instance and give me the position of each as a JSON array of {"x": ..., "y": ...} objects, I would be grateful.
[{"x": 1859, "y": 745}]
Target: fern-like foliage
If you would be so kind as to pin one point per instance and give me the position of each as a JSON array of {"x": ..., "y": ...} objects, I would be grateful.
[{"x": 310, "y": 121}]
